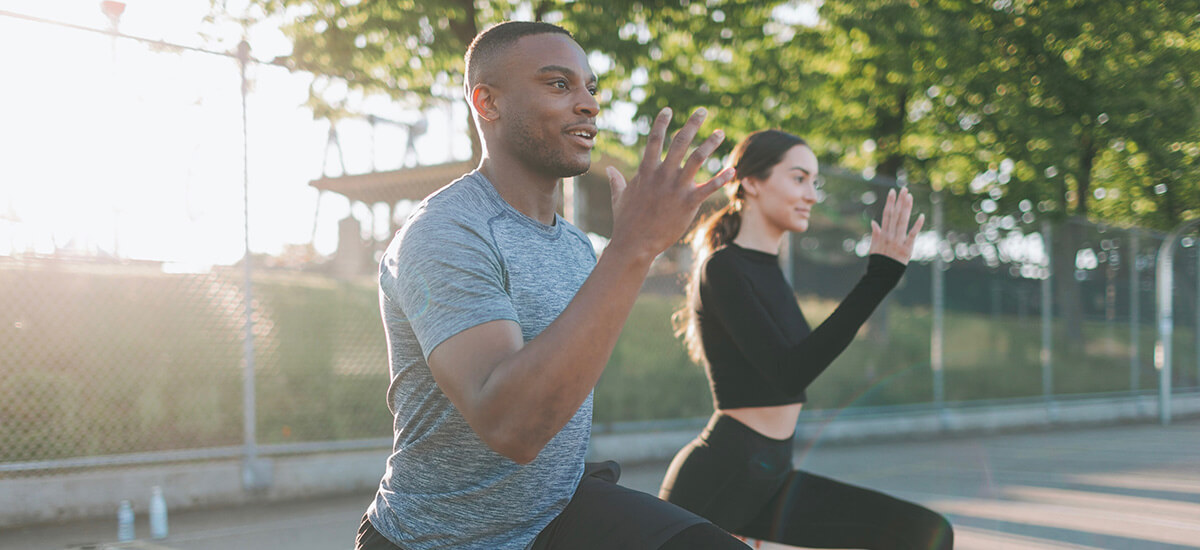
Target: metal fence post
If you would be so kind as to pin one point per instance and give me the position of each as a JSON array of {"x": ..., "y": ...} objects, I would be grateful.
[
  {"x": 1135, "y": 314},
  {"x": 938, "y": 292},
  {"x": 1162, "y": 349},
  {"x": 1165, "y": 282},
  {"x": 1047, "y": 316},
  {"x": 255, "y": 474}
]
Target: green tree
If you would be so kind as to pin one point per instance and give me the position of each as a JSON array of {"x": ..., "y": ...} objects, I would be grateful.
[
  {"x": 1069, "y": 91},
  {"x": 1066, "y": 80},
  {"x": 1036, "y": 108},
  {"x": 413, "y": 50}
]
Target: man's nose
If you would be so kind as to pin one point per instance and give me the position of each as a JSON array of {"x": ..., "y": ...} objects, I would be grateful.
[{"x": 588, "y": 105}]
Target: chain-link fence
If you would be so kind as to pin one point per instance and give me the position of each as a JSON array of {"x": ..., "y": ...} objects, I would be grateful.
[
  {"x": 108, "y": 359},
  {"x": 124, "y": 201},
  {"x": 104, "y": 359},
  {"x": 983, "y": 314}
]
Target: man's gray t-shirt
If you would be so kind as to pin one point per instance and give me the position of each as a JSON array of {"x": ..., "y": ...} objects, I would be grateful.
[{"x": 466, "y": 257}]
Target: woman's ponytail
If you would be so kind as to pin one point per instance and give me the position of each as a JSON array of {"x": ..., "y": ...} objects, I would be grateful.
[
  {"x": 753, "y": 157},
  {"x": 714, "y": 231}
]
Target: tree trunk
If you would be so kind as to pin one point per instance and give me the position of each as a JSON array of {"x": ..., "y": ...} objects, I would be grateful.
[
  {"x": 1068, "y": 300},
  {"x": 1087, "y": 157},
  {"x": 1069, "y": 297},
  {"x": 888, "y": 131},
  {"x": 465, "y": 30}
]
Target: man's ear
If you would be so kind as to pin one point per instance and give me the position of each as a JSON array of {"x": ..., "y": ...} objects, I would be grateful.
[{"x": 483, "y": 101}]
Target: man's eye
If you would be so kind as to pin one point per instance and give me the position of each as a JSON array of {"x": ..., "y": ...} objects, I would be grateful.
[
  {"x": 592, "y": 91},
  {"x": 560, "y": 84}
]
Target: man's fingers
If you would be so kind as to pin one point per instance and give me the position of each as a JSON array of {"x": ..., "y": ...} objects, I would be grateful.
[
  {"x": 616, "y": 182},
  {"x": 701, "y": 154},
  {"x": 722, "y": 177},
  {"x": 683, "y": 138},
  {"x": 654, "y": 143}
]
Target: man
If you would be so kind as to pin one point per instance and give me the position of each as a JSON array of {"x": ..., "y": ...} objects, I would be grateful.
[{"x": 500, "y": 320}]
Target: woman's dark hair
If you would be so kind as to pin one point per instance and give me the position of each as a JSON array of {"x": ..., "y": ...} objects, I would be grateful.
[{"x": 753, "y": 157}]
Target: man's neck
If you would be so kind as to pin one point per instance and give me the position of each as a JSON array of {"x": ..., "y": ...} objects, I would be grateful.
[{"x": 531, "y": 193}]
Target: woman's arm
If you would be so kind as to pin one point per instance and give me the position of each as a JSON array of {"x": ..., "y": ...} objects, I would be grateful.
[
  {"x": 728, "y": 293},
  {"x": 758, "y": 336}
]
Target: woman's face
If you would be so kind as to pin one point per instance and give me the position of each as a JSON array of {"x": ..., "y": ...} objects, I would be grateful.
[{"x": 785, "y": 199}]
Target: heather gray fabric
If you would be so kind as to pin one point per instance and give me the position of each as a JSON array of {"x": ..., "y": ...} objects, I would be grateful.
[{"x": 466, "y": 257}]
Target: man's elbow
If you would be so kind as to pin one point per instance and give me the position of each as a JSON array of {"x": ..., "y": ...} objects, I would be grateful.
[
  {"x": 515, "y": 437},
  {"x": 521, "y": 456},
  {"x": 516, "y": 445},
  {"x": 515, "y": 432}
]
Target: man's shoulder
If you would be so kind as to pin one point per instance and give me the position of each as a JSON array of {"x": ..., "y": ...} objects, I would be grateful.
[
  {"x": 465, "y": 203},
  {"x": 465, "y": 198}
]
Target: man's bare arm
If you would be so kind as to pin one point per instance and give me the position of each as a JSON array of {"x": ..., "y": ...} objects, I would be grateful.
[{"x": 518, "y": 396}]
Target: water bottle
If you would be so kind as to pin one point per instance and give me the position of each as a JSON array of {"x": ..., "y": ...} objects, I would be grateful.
[
  {"x": 125, "y": 521},
  {"x": 158, "y": 514}
]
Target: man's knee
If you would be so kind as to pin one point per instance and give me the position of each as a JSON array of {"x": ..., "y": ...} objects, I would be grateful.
[
  {"x": 703, "y": 536},
  {"x": 937, "y": 531},
  {"x": 945, "y": 538}
]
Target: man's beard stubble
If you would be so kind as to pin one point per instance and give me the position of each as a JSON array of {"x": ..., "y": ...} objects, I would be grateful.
[{"x": 543, "y": 158}]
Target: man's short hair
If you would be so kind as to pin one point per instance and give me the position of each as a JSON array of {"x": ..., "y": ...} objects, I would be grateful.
[{"x": 487, "y": 46}]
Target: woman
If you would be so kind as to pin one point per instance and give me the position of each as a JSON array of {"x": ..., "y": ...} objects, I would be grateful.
[{"x": 742, "y": 322}]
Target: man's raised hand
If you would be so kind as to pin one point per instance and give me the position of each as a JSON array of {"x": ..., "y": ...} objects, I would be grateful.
[{"x": 652, "y": 210}]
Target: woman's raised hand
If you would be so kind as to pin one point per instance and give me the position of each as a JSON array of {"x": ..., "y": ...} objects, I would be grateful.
[{"x": 891, "y": 236}]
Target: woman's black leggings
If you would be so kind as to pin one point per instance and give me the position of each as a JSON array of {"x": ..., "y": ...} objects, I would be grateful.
[{"x": 743, "y": 482}]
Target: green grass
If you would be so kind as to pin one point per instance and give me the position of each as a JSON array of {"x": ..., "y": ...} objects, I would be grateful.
[
  {"x": 100, "y": 362},
  {"x": 650, "y": 377}
]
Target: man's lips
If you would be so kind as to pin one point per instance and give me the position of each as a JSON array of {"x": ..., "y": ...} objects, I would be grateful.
[{"x": 584, "y": 134}]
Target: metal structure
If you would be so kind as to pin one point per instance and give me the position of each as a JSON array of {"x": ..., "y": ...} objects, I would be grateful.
[
  {"x": 1165, "y": 286},
  {"x": 122, "y": 364}
]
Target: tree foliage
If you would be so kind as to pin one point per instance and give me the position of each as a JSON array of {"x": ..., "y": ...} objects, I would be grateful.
[
  {"x": 1064, "y": 83},
  {"x": 1071, "y": 107}
]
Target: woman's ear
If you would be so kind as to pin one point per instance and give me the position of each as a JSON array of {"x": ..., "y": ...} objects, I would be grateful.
[
  {"x": 483, "y": 101},
  {"x": 749, "y": 186}
]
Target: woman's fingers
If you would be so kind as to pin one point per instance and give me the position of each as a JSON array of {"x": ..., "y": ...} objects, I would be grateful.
[
  {"x": 906, "y": 204},
  {"x": 889, "y": 212},
  {"x": 891, "y": 236},
  {"x": 912, "y": 234},
  {"x": 897, "y": 210}
]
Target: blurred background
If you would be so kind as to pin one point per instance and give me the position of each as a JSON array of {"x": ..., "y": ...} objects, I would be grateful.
[{"x": 194, "y": 195}]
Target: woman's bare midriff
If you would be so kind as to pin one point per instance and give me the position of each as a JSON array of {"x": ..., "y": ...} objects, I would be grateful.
[{"x": 777, "y": 422}]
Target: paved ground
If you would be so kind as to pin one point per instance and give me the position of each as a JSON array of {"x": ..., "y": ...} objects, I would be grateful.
[{"x": 1135, "y": 487}]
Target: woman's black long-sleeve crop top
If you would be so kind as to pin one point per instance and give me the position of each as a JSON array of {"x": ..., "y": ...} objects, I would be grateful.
[{"x": 758, "y": 348}]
